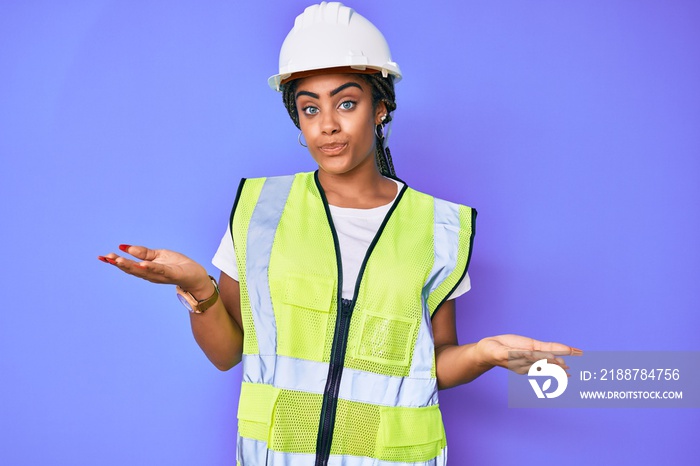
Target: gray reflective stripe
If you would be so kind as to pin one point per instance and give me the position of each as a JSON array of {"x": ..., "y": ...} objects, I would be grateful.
[
  {"x": 254, "y": 453},
  {"x": 355, "y": 385},
  {"x": 377, "y": 389},
  {"x": 292, "y": 373},
  {"x": 424, "y": 351},
  {"x": 261, "y": 233},
  {"x": 445, "y": 245},
  {"x": 250, "y": 452}
]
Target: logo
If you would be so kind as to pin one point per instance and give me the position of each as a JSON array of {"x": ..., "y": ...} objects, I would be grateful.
[{"x": 543, "y": 369}]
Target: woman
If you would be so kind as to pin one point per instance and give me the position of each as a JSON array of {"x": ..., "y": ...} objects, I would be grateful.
[{"x": 337, "y": 287}]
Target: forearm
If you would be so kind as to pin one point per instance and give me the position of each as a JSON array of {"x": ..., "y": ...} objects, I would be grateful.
[
  {"x": 216, "y": 331},
  {"x": 456, "y": 365},
  {"x": 459, "y": 364},
  {"x": 218, "y": 335}
]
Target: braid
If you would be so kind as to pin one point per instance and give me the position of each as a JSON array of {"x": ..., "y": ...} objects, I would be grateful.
[
  {"x": 382, "y": 91},
  {"x": 288, "y": 91}
]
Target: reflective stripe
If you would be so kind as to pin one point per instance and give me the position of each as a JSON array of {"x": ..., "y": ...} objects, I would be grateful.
[
  {"x": 261, "y": 233},
  {"x": 294, "y": 374},
  {"x": 384, "y": 390},
  {"x": 355, "y": 385},
  {"x": 259, "y": 369},
  {"x": 446, "y": 234},
  {"x": 251, "y": 452},
  {"x": 447, "y": 226},
  {"x": 256, "y": 454}
]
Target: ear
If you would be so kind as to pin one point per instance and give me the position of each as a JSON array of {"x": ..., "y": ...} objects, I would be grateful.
[{"x": 379, "y": 112}]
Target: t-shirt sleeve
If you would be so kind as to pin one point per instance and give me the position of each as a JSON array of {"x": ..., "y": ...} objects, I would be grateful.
[
  {"x": 225, "y": 257},
  {"x": 464, "y": 286}
]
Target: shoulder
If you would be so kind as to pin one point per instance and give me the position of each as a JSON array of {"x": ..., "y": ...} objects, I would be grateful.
[
  {"x": 260, "y": 179},
  {"x": 276, "y": 184},
  {"x": 423, "y": 198},
  {"x": 446, "y": 213},
  {"x": 252, "y": 190}
]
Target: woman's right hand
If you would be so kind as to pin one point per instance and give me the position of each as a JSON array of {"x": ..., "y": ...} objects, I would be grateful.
[
  {"x": 218, "y": 330},
  {"x": 163, "y": 266}
]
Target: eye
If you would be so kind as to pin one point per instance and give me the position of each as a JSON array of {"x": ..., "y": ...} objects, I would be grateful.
[
  {"x": 348, "y": 105},
  {"x": 309, "y": 110}
]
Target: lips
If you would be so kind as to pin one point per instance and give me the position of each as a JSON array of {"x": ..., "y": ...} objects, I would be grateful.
[{"x": 333, "y": 148}]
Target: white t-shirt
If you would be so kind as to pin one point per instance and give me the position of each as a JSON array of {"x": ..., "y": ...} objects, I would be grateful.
[{"x": 355, "y": 228}]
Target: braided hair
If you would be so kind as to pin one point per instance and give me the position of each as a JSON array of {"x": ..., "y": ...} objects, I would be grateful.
[{"x": 382, "y": 91}]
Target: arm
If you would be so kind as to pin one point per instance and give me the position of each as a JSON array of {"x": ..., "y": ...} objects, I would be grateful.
[
  {"x": 218, "y": 330},
  {"x": 454, "y": 364},
  {"x": 459, "y": 364}
]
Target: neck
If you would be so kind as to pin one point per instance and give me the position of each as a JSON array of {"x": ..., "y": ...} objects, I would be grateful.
[{"x": 359, "y": 189}]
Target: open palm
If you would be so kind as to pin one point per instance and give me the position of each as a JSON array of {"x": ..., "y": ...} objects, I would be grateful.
[
  {"x": 518, "y": 353},
  {"x": 159, "y": 266}
]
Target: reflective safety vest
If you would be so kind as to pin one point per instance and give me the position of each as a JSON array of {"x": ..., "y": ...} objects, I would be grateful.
[{"x": 329, "y": 381}]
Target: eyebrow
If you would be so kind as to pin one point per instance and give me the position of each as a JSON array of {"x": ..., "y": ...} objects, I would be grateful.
[{"x": 333, "y": 92}]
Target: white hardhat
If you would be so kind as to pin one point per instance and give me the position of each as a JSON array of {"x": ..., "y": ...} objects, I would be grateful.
[{"x": 331, "y": 35}]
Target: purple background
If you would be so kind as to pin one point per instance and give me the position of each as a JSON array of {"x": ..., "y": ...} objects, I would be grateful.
[{"x": 573, "y": 127}]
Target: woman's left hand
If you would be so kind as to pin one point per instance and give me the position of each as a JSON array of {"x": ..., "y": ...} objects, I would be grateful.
[{"x": 518, "y": 353}]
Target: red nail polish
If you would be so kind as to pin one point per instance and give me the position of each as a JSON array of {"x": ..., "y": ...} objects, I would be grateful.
[
  {"x": 103, "y": 259},
  {"x": 124, "y": 247},
  {"x": 110, "y": 260}
]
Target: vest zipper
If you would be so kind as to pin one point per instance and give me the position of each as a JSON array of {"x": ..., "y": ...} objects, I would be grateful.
[
  {"x": 335, "y": 371},
  {"x": 340, "y": 337}
]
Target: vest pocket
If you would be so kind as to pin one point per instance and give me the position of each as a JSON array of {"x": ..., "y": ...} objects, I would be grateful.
[
  {"x": 255, "y": 407},
  {"x": 410, "y": 434},
  {"x": 385, "y": 339},
  {"x": 313, "y": 293},
  {"x": 302, "y": 317}
]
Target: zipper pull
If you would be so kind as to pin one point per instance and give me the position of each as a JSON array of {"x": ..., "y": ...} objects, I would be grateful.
[{"x": 346, "y": 306}]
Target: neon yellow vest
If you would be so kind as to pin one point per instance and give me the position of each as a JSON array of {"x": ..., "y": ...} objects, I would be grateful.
[{"x": 353, "y": 381}]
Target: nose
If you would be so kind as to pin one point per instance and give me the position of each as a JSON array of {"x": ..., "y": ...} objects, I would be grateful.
[{"x": 329, "y": 123}]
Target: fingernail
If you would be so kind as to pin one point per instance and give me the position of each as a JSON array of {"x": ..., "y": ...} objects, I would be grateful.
[
  {"x": 124, "y": 247},
  {"x": 576, "y": 352},
  {"x": 103, "y": 259},
  {"x": 111, "y": 261}
]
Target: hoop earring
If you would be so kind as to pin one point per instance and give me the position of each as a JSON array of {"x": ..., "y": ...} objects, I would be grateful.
[
  {"x": 299, "y": 139},
  {"x": 379, "y": 131}
]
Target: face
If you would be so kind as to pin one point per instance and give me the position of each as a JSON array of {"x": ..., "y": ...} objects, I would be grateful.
[{"x": 337, "y": 118}]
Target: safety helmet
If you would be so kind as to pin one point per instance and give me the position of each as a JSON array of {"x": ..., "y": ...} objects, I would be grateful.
[{"x": 331, "y": 35}]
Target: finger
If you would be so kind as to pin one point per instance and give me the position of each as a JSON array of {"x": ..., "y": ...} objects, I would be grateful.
[
  {"x": 140, "y": 252},
  {"x": 150, "y": 271},
  {"x": 559, "y": 362},
  {"x": 109, "y": 258},
  {"x": 559, "y": 349},
  {"x": 119, "y": 261},
  {"x": 115, "y": 259},
  {"x": 127, "y": 265},
  {"x": 531, "y": 357},
  {"x": 521, "y": 361},
  {"x": 551, "y": 357}
]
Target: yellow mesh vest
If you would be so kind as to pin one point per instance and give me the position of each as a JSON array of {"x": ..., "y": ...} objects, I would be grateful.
[{"x": 324, "y": 376}]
